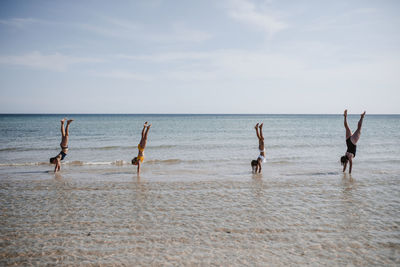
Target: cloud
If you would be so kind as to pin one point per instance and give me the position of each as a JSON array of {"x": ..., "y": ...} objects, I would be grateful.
[
  {"x": 128, "y": 30},
  {"x": 167, "y": 57},
  {"x": 349, "y": 20},
  {"x": 366, "y": 10},
  {"x": 122, "y": 74},
  {"x": 219, "y": 65},
  {"x": 247, "y": 13},
  {"x": 19, "y": 22},
  {"x": 238, "y": 67},
  {"x": 37, "y": 60},
  {"x": 181, "y": 33}
]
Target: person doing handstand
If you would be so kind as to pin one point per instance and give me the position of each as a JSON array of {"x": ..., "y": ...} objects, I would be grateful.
[
  {"x": 351, "y": 141},
  {"x": 64, "y": 145},
  {"x": 256, "y": 164},
  {"x": 141, "y": 146}
]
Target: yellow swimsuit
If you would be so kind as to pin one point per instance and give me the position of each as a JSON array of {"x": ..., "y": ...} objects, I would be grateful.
[{"x": 141, "y": 149}]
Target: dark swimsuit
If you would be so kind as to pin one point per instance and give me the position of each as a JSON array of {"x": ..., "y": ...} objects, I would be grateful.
[
  {"x": 62, "y": 152},
  {"x": 62, "y": 155},
  {"x": 351, "y": 148}
]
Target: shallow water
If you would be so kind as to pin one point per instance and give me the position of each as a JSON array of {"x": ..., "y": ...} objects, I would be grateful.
[{"x": 203, "y": 207}]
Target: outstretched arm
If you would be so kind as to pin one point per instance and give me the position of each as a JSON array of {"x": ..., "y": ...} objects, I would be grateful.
[
  {"x": 351, "y": 165},
  {"x": 138, "y": 167},
  {"x": 58, "y": 165}
]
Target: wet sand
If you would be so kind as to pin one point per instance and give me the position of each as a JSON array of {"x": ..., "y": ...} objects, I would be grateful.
[{"x": 257, "y": 221}]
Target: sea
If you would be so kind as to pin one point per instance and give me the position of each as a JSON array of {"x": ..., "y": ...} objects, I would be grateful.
[{"x": 196, "y": 201}]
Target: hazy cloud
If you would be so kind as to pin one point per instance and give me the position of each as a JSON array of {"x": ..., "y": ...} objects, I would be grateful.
[
  {"x": 247, "y": 12},
  {"x": 19, "y": 22},
  {"x": 55, "y": 62},
  {"x": 130, "y": 30},
  {"x": 122, "y": 74}
]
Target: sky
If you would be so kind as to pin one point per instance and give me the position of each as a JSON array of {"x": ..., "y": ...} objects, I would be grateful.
[{"x": 176, "y": 56}]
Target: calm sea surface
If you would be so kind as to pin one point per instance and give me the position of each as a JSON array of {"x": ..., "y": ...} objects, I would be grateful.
[{"x": 196, "y": 201}]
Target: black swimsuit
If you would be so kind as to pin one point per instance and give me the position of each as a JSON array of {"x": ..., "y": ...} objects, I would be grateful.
[
  {"x": 63, "y": 155},
  {"x": 351, "y": 148}
]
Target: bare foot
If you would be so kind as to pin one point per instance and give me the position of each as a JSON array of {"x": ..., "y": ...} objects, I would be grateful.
[
  {"x": 148, "y": 127},
  {"x": 261, "y": 125},
  {"x": 363, "y": 114},
  {"x": 345, "y": 113},
  {"x": 145, "y": 124},
  {"x": 63, "y": 120},
  {"x": 69, "y": 121},
  {"x": 256, "y": 126}
]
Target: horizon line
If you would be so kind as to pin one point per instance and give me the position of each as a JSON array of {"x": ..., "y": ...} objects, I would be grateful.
[{"x": 194, "y": 113}]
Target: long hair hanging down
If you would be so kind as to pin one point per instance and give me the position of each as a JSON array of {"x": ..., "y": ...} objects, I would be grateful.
[{"x": 344, "y": 160}]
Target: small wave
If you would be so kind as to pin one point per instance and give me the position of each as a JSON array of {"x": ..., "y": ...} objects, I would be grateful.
[
  {"x": 23, "y": 164},
  {"x": 125, "y": 147},
  {"x": 115, "y": 162},
  {"x": 280, "y": 162},
  {"x": 83, "y": 163},
  {"x": 163, "y": 146},
  {"x": 391, "y": 161},
  {"x": 166, "y": 161},
  {"x": 22, "y": 149},
  {"x": 313, "y": 174},
  {"x": 107, "y": 147}
]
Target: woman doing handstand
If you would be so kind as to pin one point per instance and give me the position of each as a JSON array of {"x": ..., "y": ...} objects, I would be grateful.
[
  {"x": 256, "y": 164},
  {"x": 64, "y": 146},
  {"x": 351, "y": 141},
  {"x": 141, "y": 146}
]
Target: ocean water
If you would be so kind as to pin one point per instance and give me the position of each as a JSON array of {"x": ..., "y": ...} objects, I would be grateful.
[{"x": 196, "y": 201}]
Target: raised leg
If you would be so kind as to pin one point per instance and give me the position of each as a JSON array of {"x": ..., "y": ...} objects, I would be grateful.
[
  {"x": 143, "y": 141},
  {"x": 258, "y": 135},
  {"x": 144, "y": 128},
  {"x": 346, "y": 125},
  {"x": 62, "y": 128},
  {"x": 64, "y": 140},
  {"x": 67, "y": 127},
  {"x": 147, "y": 132},
  {"x": 356, "y": 136},
  {"x": 261, "y": 133}
]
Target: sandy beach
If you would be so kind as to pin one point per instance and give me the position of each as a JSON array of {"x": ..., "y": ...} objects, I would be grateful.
[{"x": 257, "y": 222}]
